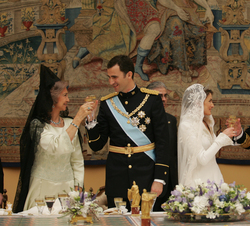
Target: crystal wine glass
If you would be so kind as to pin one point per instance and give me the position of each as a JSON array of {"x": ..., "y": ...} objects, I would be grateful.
[
  {"x": 117, "y": 200},
  {"x": 40, "y": 205},
  {"x": 50, "y": 199},
  {"x": 63, "y": 197},
  {"x": 121, "y": 206},
  {"x": 90, "y": 98},
  {"x": 232, "y": 120},
  {"x": 153, "y": 196}
]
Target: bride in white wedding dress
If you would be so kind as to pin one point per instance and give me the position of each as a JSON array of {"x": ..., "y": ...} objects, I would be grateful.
[{"x": 197, "y": 143}]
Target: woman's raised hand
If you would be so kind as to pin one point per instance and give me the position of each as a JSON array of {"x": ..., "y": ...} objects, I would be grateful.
[
  {"x": 85, "y": 110},
  {"x": 230, "y": 132}
]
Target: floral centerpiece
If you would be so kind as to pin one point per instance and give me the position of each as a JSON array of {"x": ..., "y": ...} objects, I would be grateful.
[
  {"x": 209, "y": 200},
  {"x": 82, "y": 206}
]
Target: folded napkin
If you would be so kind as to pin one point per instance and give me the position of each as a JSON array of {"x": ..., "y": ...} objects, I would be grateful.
[
  {"x": 3, "y": 212},
  {"x": 122, "y": 210},
  {"x": 34, "y": 211}
]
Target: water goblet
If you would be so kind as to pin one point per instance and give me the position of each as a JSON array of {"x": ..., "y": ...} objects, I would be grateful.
[
  {"x": 117, "y": 200},
  {"x": 50, "y": 199},
  {"x": 122, "y": 207},
  {"x": 63, "y": 197},
  {"x": 40, "y": 205},
  {"x": 153, "y": 196}
]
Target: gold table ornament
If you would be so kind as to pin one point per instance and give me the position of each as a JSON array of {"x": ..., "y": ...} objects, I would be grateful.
[{"x": 134, "y": 198}]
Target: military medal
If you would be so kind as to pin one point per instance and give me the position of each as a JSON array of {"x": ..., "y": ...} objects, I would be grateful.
[
  {"x": 147, "y": 120},
  {"x": 135, "y": 121},
  {"x": 142, "y": 128},
  {"x": 141, "y": 114}
]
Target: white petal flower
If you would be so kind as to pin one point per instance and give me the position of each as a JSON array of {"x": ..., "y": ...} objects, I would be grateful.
[
  {"x": 73, "y": 194},
  {"x": 218, "y": 203},
  {"x": 225, "y": 188},
  {"x": 239, "y": 208},
  {"x": 191, "y": 196},
  {"x": 211, "y": 215},
  {"x": 200, "y": 203},
  {"x": 179, "y": 187},
  {"x": 198, "y": 182},
  {"x": 248, "y": 195}
]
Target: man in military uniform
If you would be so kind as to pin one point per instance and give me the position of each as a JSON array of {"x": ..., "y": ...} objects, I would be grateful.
[
  {"x": 172, "y": 148},
  {"x": 241, "y": 137},
  {"x": 134, "y": 120}
]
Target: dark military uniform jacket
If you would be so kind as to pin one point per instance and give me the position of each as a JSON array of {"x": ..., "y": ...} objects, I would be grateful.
[
  {"x": 173, "y": 167},
  {"x": 245, "y": 139},
  {"x": 122, "y": 169}
]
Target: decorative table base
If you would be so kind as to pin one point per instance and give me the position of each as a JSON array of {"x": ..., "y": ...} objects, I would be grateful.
[
  {"x": 146, "y": 222},
  {"x": 135, "y": 211},
  {"x": 77, "y": 218}
]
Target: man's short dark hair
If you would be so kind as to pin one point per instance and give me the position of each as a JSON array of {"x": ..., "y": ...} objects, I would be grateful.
[
  {"x": 157, "y": 84},
  {"x": 124, "y": 62}
]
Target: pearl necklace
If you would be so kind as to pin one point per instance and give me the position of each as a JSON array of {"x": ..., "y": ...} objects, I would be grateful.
[{"x": 56, "y": 123}]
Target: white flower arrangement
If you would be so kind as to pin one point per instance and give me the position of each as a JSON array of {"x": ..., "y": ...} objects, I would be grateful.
[
  {"x": 208, "y": 199},
  {"x": 82, "y": 204}
]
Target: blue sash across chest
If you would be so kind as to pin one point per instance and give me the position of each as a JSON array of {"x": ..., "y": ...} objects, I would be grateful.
[{"x": 133, "y": 132}]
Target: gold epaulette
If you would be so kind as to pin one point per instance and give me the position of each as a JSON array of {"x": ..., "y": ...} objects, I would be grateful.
[
  {"x": 109, "y": 96},
  {"x": 246, "y": 143},
  {"x": 149, "y": 91}
]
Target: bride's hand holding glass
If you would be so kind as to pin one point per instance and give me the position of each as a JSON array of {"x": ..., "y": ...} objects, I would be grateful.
[
  {"x": 234, "y": 122},
  {"x": 230, "y": 132}
]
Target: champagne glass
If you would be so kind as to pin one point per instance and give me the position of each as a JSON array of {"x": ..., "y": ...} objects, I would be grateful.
[
  {"x": 90, "y": 98},
  {"x": 122, "y": 206},
  {"x": 40, "y": 205},
  {"x": 63, "y": 197},
  {"x": 153, "y": 196},
  {"x": 117, "y": 200},
  {"x": 50, "y": 199},
  {"x": 232, "y": 120}
]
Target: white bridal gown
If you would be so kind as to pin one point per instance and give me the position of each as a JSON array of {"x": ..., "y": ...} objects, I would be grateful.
[
  {"x": 58, "y": 164},
  {"x": 207, "y": 167}
]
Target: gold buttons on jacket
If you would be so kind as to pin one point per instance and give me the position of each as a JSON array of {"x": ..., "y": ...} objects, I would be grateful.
[
  {"x": 129, "y": 155},
  {"x": 129, "y": 166},
  {"x": 165, "y": 173},
  {"x": 126, "y": 102},
  {"x": 128, "y": 144}
]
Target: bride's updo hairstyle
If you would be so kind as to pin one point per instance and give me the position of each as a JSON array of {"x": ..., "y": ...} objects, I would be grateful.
[{"x": 207, "y": 91}]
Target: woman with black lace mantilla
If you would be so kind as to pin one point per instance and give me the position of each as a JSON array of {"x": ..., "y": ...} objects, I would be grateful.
[{"x": 50, "y": 145}]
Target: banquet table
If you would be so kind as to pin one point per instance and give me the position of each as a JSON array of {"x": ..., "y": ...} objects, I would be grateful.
[{"x": 158, "y": 219}]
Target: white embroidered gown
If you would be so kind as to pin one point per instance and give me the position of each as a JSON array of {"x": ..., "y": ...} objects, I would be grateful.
[{"x": 58, "y": 164}]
